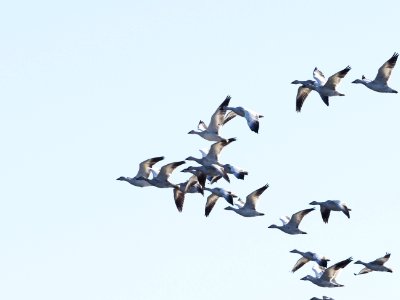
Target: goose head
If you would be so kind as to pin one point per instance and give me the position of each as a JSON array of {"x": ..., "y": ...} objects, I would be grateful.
[
  {"x": 273, "y": 226},
  {"x": 314, "y": 203},
  {"x": 191, "y": 158},
  {"x": 122, "y": 178},
  {"x": 324, "y": 262},
  {"x": 306, "y": 277},
  {"x": 229, "y": 208},
  {"x": 362, "y": 80}
]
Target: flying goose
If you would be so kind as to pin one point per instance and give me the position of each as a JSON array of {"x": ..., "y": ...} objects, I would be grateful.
[
  {"x": 229, "y": 169},
  {"x": 292, "y": 226},
  {"x": 323, "y": 298},
  {"x": 328, "y": 277},
  {"x": 190, "y": 186},
  {"x": 161, "y": 180},
  {"x": 202, "y": 172},
  {"x": 308, "y": 256},
  {"x": 251, "y": 117},
  {"x": 144, "y": 171},
  {"x": 248, "y": 209},
  {"x": 211, "y": 132},
  {"x": 213, "y": 197},
  {"x": 212, "y": 156},
  {"x": 379, "y": 84},
  {"x": 325, "y": 88},
  {"x": 375, "y": 265},
  {"x": 239, "y": 173},
  {"x": 328, "y": 205}
]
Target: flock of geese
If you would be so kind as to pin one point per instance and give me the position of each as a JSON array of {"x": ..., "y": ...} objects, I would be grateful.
[{"x": 210, "y": 169}]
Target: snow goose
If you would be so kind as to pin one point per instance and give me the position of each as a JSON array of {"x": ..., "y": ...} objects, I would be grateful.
[
  {"x": 379, "y": 84},
  {"x": 213, "y": 197},
  {"x": 375, "y": 265},
  {"x": 190, "y": 186},
  {"x": 211, "y": 132},
  {"x": 335, "y": 205},
  {"x": 292, "y": 226},
  {"x": 144, "y": 171},
  {"x": 309, "y": 256},
  {"x": 248, "y": 209},
  {"x": 251, "y": 116},
  {"x": 161, "y": 180},
  {"x": 325, "y": 88},
  {"x": 202, "y": 172},
  {"x": 328, "y": 277},
  {"x": 239, "y": 173},
  {"x": 212, "y": 156},
  {"x": 229, "y": 169}
]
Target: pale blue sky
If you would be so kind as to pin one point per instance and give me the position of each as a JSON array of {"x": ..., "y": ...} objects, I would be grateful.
[{"x": 90, "y": 89}]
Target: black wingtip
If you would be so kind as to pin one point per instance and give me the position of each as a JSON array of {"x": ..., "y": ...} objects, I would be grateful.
[{"x": 255, "y": 127}]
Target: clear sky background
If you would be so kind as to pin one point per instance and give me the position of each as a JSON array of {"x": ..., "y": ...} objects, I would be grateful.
[{"x": 89, "y": 89}]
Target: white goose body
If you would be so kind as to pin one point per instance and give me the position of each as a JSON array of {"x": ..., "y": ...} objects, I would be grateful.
[
  {"x": 207, "y": 135},
  {"x": 321, "y": 283},
  {"x": 375, "y": 86}
]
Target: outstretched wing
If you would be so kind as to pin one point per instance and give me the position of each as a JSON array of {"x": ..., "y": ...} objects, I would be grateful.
[
  {"x": 335, "y": 79},
  {"x": 325, "y": 212},
  {"x": 217, "y": 119},
  {"x": 319, "y": 76},
  {"x": 167, "y": 170},
  {"x": 331, "y": 272},
  {"x": 211, "y": 200},
  {"x": 301, "y": 262},
  {"x": 363, "y": 271},
  {"x": 381, "y": 260},
  {"x": 216, "y": 148},
  {"x": 386, "y": 69},
  {"x": 145, "y": 166},
  {"x": 252, "y": 198},
  {"x": 297, "y": 217},
  {"x": 302, "y": 93}
]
